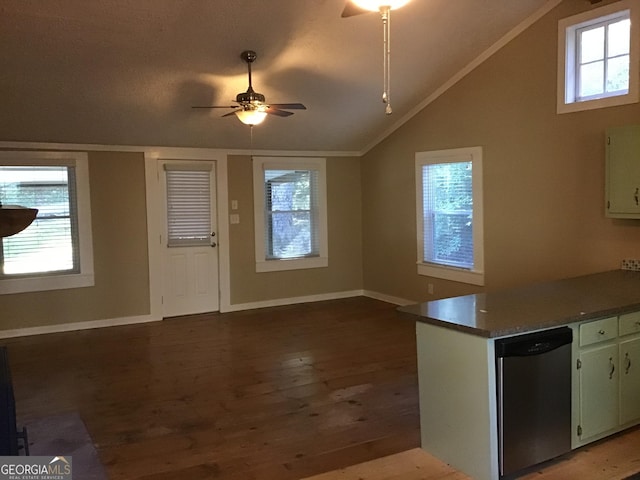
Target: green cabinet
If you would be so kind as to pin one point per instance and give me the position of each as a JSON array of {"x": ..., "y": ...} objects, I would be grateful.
[
  {"x": 629, "y": 380},
  {"x": 608, "y": 376},
  {"x": 629, "y": 368},
  {"x": 598, "y": 390},
  {"x": 622, "y": 183}
]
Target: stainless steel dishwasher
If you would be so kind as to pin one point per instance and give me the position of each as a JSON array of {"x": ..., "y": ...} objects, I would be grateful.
[{"x": 534, "y": 398}]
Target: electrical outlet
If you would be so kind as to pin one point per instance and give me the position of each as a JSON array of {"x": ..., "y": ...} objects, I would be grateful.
[{"x": 430, "y": 288}]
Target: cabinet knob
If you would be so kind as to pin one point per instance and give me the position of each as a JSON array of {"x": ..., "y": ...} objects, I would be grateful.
[
  {"x": 601, "y": 332},
  {"x": 627, "y": 361}
]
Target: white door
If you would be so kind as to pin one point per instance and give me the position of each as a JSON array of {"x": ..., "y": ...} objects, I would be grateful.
[{"x": 190, "y": 257}]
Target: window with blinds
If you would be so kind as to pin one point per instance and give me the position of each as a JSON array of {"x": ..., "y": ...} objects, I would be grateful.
[
  {"x": 449, "y": 214},
  {"x": 188, "y": 205},
  {"x": 290, "y": 213},
  {"x": 291, "y": 229},
  {"x": 50, "y": 244}
]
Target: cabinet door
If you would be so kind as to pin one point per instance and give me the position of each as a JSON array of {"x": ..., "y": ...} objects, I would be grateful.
[
  {"x": 629, "y": 381},
  {"x": 623, "y": 172},
  {"x": 598, "y": 377}
]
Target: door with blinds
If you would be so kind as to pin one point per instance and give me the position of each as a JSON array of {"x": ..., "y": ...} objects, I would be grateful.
[{"x": 190, "y": 263}]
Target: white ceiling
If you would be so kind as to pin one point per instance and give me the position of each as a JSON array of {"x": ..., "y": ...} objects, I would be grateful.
[{"x": 126, "y": 72}]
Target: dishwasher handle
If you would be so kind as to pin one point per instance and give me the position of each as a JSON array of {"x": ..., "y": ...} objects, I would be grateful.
[{"x": 536, "y": 343}]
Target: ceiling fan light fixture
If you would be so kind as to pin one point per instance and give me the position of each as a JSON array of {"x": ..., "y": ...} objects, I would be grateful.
[
  {"x": 251, "y": 117},
  {"x": 376, "y": 5}
]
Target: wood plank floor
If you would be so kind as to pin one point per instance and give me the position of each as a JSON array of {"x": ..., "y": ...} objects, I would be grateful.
[
  {"x": 281, "y": 393},
  {"x": 615, "y": 458}
]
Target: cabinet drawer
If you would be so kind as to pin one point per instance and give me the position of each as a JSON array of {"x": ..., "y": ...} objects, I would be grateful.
[
  {"x": 629, "y": 323},
  {"x": 598, "y": 331}
]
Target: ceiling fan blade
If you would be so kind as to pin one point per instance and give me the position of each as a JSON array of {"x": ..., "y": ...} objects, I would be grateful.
[
  {"x": 288, "y": 106},
  {"x": 350, "y": 9},
  {"x": 279, "y": 113},
  {"x": 215, "y": 106},
  {"x": 231, "y": 113}
]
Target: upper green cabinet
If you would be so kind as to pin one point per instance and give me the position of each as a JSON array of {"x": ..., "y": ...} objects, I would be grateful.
[{"x": 623, "y": 172}]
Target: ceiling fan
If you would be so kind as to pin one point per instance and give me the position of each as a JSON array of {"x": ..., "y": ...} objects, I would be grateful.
[
  {"x": 356, "y": 7},
  {"x": 252, "y": 108}
]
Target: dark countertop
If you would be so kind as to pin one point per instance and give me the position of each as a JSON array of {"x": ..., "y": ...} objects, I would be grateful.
[{"x": 534, "y": 307}]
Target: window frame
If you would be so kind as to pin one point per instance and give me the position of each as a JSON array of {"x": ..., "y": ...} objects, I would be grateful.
[
  {"x": 58, "y": 281},
  {"x": 475, "y": 275},
  {"x": 567, "y": 100},
  {"x": 260, "y": 164}
]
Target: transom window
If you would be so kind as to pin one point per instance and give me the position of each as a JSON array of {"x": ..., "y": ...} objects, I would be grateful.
[
  {"x": 598, "y": 58},
  {"x": 603, "y": 58},
  {"x": 290, "y": 213},
  {"x": 449, "y": 214}
]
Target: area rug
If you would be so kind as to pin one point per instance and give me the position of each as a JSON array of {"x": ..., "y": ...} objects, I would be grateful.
[{"x": 66, "y": 435}]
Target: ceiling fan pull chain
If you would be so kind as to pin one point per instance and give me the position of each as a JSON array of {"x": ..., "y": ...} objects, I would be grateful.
[{"x": 386, "y": 31}]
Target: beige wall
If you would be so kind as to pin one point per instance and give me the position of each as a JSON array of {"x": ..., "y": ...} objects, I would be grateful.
[
  {"x": 543, "y": 176},
  {"x": 344, "y": 272},
  {"x": 119, "y": 223},
  {"x": 543, "y": 192}
]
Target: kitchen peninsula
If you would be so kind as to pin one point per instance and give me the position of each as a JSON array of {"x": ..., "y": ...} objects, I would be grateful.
[{"x": 456, "y": 340}]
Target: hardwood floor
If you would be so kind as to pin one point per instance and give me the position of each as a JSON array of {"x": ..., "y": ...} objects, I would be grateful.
[
  {"x": 615, "y": 458},
  {"x": 281, "y": 393}
]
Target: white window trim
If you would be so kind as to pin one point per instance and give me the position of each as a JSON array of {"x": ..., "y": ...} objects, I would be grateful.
[
  {"x": 288, "y": 163},
  {"x": 58, "y": 282},
  {"x": 474, "y": 276},
  {"x": 566, "y": 58}
]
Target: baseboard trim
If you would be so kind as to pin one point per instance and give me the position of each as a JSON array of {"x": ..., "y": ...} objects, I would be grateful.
[
  {"x": 317, "y": 298},
  {"x": 116, "y": 322},
  {"x": 74, "y": 326},
  {"x": 279, "y": 302},
  {"x": 387, "y": 298}
]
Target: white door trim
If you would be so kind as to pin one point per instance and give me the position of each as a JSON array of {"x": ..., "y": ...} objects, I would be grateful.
[{"x": 155, "y": 222}]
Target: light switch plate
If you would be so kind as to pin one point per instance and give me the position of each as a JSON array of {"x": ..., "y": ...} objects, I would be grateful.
[{"x": 234, "y": 219}]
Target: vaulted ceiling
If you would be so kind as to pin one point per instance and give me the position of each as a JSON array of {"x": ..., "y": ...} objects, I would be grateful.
[{"x": 127, "y": 72}]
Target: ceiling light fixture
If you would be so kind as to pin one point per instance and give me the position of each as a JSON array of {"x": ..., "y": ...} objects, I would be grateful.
[
  {"x": 384, "y": 7},
  {"x": 375, "y": 5},
  {"x": 251, "y": 116}
]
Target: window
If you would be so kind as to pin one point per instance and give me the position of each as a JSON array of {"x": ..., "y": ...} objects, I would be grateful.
[
  {"x": 290, "y": 213},
  {"x": 598, "y": 58},
  {"x": 449, "y": 214},
  {"x": 188, "y": 204},
  {"x": 55, "y": 251}
]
